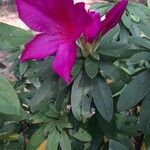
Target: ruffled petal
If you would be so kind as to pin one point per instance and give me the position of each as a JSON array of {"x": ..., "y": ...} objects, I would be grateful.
[
  {"x": 64, "y": 60},
  {"x": 40, "y": 47},
  {"x": 113, "y": 16},
  {"x": 92, "y": 31}
]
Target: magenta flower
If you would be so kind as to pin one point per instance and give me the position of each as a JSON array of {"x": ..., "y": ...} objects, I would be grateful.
[
  {"x": 92, "y": 31},
  {"x": 111, "y": 19},
  {"x": 113, "y": 16},
  {"x": 61, "y": 23}
]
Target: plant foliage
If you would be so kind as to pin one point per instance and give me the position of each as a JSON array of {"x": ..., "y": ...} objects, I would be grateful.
[{"x": 105, "y": 107}]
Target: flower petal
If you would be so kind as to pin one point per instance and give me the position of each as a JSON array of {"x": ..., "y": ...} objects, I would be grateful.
[
  {"x": 113, "y": 16},
  {"x": 92, "y": 31},
  {"x": 64, "y": 60},
  {"x": 61, "y": 17},
  {"x": 40, "y": 47},
  {"x": 81, "y": 19},
  {"x": 34, "y": 15}
]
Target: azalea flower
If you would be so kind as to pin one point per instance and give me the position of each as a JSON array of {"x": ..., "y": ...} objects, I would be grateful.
[{"x": 60, "y": 24}]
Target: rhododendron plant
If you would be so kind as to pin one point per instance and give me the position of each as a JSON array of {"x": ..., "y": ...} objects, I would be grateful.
[
  {"x": 61, "y": 23},
  {"x": 88, "y": 85}
]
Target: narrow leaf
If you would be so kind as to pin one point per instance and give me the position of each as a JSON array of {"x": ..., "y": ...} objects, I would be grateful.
[
  {"x": 64, "y": 141},
  {"x": 102, "y": 97},
  {"x": 135, "y": 91},
  {"x": 81, "y": 91},
  {"x": 145, "y": 115},
  {"x": 53, "y": 140}
]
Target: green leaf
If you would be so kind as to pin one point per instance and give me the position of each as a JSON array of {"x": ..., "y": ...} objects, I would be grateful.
[
  {"x": 81, "y": 96},
  {"x": 98, "y": 5},
  {"x": 9, "y": 102},
  {"x": 102, "y": 97},
  {"x": 126, "y": 20},
  {"x": 95, "y": 131},
  {"x": 104, "y": 9},
  {"x": 145, "y": 29},
  {"x": 48, "y": 88},
  {"x": 147, "y": 141},
  {"x": 63, "y": 123},
  {"x": 114, "y": 49},
  {"x": 53, "y": 140},
  {"x": 109, "y": 129},
  {"x": 52, "y": 112},
  {"x": 91, "y": 68},
  {"x": 95, "y": 56},
  {"x": 135, "y": 91},
  {"x": 82, "y": 135},
  {"x": 137, "y": 11},
  {"x": 77, "y": 67},
  {"x": 131, "y": 130},
  {"x": 125, "y": 140},
  {"x": 140, "y": 41},
  {"x": 49, "y": 127},
  {"x": 114, "y": 72},
  {"x": 139, "y": 56},
  {"x": 62, "y": 98},
  {"x": 64, "y": 141},
  {"x": 127, "y": 125},
  {"x": 115, "y": 145},
  {"x": 36, "y": 139},
  {"x": 135, "y": 30},
  {"x": 11, "y": 37},
  {"x": 110, "y": 53},
  {"x": 148, "y": 3},
  {"x": 113, "y": 33},
  {"x": 142, "y": 7},
  {"x": 39, "y": 68},
  {"x": 145, "y": 115},
  {"x": 22, "y": 68},
  {"x": 7, "y": 132},
  {"x": 135, "y": 17}
]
